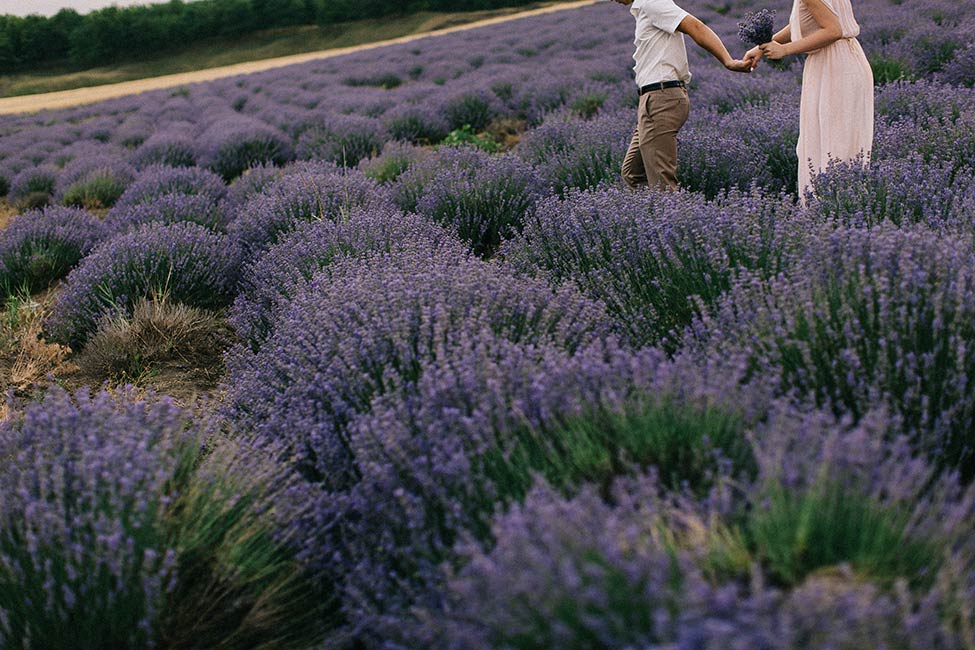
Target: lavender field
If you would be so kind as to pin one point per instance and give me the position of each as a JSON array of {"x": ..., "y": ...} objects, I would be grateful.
[{"x": 380, "y": 352}]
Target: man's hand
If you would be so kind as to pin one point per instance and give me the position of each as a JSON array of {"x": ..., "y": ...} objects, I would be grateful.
[
  {"x": 738, "y": 65},
  {"x": 753, "y": 56},
  {"x": 773, "y": 50}
]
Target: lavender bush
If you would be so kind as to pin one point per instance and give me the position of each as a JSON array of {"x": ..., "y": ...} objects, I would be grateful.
[
  {"x": 316, "y": 192},
  {"x": 248, "y": 185},
  {"x": 750, "y": 145},
  {"x": 484, "y": 199},
  {"x": 403, "y": 309},
  {"x": 93, "y": 182},
  {"x": 487, "y": 417},
  {"x": 169, "y": 209},
  {"x": 270, "y": 283},
  {"x": 902, "y": 191},
  {"x": 344, "y": 140},
  {"x": 414, "y": 123},
  {"x": 869, "y": 317},
  {"x": 637, "y": 568},
  {"x": 159, "y": 180},
  {"x": 83, "y": 561},
  {"x": 167, "y": 147},
  {"x": 116, "y": 531},
  {"x": 654, "y": 258},
  {"x": 572, "y": 152},
  {"x": 41, "y": 246},
  {"x": 185, "y": 262},
  {"x": 33, "y": 186},
  {"x": 474, "y": 109},
  {"x": 234, "y": 144},
  {"x": 394, "y": 159}
]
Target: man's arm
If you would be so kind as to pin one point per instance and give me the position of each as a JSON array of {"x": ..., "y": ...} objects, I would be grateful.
[{"x": 706, "y": 38}]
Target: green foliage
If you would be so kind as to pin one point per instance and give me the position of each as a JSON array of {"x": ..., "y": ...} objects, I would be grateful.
[
  {"x": 683, "y": 443},
  {"x": 36, "y": 265},
  {"x": 589, "y": 104},
  {"x": 794, "y": 534},
  {"x": 231, "y": 564},
  {"x": 130, "y": 33},
  {"x": 887, "y": 70},
  {"x": 96, "y": 192},
  {"x": 386, "y": 81},
  {"x": 466, "y": 136},
  {"x": 32, "y": 201}
]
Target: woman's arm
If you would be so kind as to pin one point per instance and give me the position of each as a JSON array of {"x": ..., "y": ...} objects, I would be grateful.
[{"x": 829, "y": 32}]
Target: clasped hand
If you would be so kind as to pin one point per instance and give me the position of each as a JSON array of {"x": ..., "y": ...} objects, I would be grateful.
[
  {"x": 739, "y": 65},
  {"x": 771, "y": 50}
]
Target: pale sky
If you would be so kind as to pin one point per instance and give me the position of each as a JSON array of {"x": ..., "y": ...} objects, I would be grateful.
[{"x": 51, "y": 7}]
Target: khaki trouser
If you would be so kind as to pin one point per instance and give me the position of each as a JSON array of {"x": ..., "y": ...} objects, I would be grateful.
[{"x": 652, "y": 156}]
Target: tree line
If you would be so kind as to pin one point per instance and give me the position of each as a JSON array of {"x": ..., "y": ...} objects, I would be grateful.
[{"x": 118, "y": 34}]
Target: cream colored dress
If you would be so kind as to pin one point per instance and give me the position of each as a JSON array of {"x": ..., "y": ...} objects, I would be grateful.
[{"x": 836, "y": 109}]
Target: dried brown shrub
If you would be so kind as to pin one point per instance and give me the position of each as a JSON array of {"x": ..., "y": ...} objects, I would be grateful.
[{"x": 160, "y": 336}]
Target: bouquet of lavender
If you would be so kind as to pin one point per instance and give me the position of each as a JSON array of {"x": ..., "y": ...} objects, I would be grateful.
[{"x": 756, "y": 28}]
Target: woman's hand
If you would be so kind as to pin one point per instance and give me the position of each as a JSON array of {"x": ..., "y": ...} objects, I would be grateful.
[
  {"x": 773, "y": 50},
  {"x": 753, "y": 56}
]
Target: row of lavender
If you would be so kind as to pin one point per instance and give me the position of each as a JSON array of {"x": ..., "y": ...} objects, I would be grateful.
[{"x": 498, "y": 401}]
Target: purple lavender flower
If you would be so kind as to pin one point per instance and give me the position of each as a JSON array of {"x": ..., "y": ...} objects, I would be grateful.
[
  {"x": 248, "y": 185},
  {"x": 111, "y": 515},
  {"x": 903, "y": 191},
  {"x": 185, "y": 262},
  {"x": 415, "y": 123},
  {"x": 573, "y": 152},
  {"x": 474, "y": 109},
  {"x": 485, "y": 418},
  {"x": 172, "y": 147},
  {"x": 33, "y": 185},
  {"x": 93, "y": 182},
  {"x": 713, "y": 147},
  {"x": 756, "y": 28},
  {"x": 582, "y": 567},
  {"x": 394, "y": 159}
]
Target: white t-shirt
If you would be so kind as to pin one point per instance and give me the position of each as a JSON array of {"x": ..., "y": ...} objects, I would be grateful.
[{"x": 660, "y": 54}]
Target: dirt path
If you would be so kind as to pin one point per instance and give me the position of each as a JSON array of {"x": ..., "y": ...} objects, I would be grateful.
[{"x": 78, "y": 96}]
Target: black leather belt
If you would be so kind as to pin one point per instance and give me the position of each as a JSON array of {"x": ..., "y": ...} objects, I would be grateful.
[{"x": 660, "y": 85}]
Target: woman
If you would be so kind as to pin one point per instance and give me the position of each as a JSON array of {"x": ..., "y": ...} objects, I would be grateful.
[{"x": 836, "y": 109}]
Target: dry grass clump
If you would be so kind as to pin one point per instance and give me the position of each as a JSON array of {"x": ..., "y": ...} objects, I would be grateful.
[
  {"x": 7, "y": 212},
  {"x": 26, "y": 359},
  {"x": 162, "y": 343},
  {"x": 507, "y": 131}
]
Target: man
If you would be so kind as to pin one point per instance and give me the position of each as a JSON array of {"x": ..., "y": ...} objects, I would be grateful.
[{"x": 662, "y": 75}]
